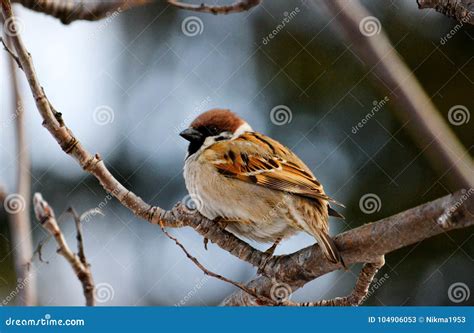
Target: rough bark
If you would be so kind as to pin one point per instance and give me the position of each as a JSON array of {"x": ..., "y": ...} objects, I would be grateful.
[
  {"x": 366, "y": 243},
  {"x": 68, "y": 11},
  {"x": 460, "y": 10},
  {"x": 236, "y": 7},
  {"x": 362, "y": 245},
  {"x": 45, "y": 215}
]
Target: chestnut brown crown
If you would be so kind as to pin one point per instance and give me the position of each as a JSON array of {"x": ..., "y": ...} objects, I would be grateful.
[{"x": 217, "y": 121}]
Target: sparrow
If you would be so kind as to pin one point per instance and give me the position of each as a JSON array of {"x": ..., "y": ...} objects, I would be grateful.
[{"x": 256, "y": 186}]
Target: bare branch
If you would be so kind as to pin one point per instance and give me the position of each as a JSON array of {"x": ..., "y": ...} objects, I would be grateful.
[
  {"x": 180, "y": 216},
  {"x": 355, "y": 298},
  {"x": 427, "y": 127},
  {"x": 45, "y": 215},
  {"x": 360, "y": 290},
  {"x": 80, "y": 242},
  {"x": 461, "y": 10},
  {"x": 19, "y": 217},
  {"x": 14, "y": 57},
  {"x": 53, "y": 122},
  {"x": 239, "y": 285},
  {"x": 68, "y": 11},
  {"x": 362, "y": 245},
  {"x": 39, "y": 250},
  {"x": 236, "y": 7},
  {"x": 367, "y": 243}
]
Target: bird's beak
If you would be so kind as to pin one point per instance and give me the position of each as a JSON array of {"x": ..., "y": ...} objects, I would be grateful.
[{"x": 191, "y": 134}]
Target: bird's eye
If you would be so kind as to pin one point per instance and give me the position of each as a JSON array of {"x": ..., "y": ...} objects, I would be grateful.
[{"x": 219, "y": 138}]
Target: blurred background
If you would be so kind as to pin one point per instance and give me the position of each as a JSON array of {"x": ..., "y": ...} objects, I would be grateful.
[{"x": 128, "y": 84}]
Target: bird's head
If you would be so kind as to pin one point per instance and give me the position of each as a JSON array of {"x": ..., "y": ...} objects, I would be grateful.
[{"x": 211, "y": 126}]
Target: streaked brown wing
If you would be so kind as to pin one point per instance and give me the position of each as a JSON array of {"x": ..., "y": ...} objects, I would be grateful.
[{"x": 257, "y": 159}]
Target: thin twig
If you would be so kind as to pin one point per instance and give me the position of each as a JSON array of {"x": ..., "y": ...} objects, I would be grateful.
[
  {"x": 39, "y": 250},
  {"x": 296, "y": 269},
  {"x": 45, "y": 215},
  {"x": 236, "y": 7},
  {"x": 367, "y": 243},
  {"x": 68, "y": 11},
  {"x": 239, "y": 285},
  {"x": 93, "y": 164},
  {"x": 13, "y": 55},
  {"x": 360, "y": 291},
  {"x": 80, "y": 242}
]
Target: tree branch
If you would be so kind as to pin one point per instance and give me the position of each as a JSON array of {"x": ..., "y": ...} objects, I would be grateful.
[
  {"x": 68, "y": 11},
  {"x": 427, "y": 127},
  {"x": 367, "y": 243},
  {"x": 461, "y": 10},
  {"x": 80, "y": 243},
  {"x": 360, "y": 291},
  {"x": 45, "y": 215},
  {"x": 18, "y": 202},
  {"x": 236, "y": 7},
  {"x": 239, "y": 285},
  {"x": 93, "y": 164},
  {"x": 280, "y": 293},
  {"x": 13, "y": 56}
]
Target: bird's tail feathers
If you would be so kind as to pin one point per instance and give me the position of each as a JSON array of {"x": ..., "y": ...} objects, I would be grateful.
[
  {"x": 335, "y": 213},
  {"x": 329, "y": 248}
]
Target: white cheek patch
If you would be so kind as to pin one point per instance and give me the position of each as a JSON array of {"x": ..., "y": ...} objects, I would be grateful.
[
  {"x": 209, "y": 141},
  {"x": 242, "y": 129},
  {"x": 213, "y": 139}
]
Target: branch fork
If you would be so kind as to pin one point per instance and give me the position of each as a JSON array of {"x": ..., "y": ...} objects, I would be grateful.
[
  {"x": 78, "y": 262},
  {"x": 367, "y": 243}
]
